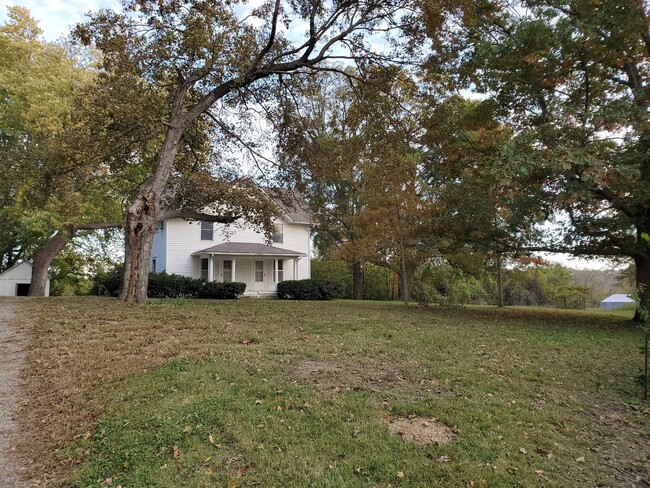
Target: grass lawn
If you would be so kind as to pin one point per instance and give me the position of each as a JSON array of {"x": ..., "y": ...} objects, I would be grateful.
[{"x": 270, "y": 393}]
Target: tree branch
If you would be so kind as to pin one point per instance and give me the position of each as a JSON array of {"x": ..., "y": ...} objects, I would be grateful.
[{"x": 195, "y": 215}]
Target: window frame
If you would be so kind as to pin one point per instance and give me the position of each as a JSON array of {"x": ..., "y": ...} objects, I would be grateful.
[
  {"x": 206, "y": 269},
  {"x": 229, "y": 269},
  {"x": 278, "y": 237},
  {"x": 204, "y": 230}
]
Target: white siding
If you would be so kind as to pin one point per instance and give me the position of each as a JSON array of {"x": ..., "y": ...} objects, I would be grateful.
[
  {"x": 184, "y": 238},
  {"x": 19, "y": 274},
  {"x": 159, "y": 250}
]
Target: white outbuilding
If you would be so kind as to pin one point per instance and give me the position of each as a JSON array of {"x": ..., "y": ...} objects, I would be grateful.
[
  {"x": 16, "y": 280},
  {"x": 617, "y": 300}
]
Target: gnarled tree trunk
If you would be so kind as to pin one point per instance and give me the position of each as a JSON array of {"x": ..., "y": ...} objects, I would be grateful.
[{"x": 143, "y": 217}]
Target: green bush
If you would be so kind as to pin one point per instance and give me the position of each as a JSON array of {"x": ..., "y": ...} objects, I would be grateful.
[
  {"x": 218, "y": 290},
  {"x": 333, "y": 271},
  {"x": 163, "y": 285},
  {"x": 110, "y": 280},
  {"x": 309, "y": 290}
]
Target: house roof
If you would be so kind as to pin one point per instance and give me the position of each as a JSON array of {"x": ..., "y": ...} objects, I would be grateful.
[
  {"x": 618, "y": 298},
  {"x": 248, "y": 249},
  {"x": 292, "y": 205}
]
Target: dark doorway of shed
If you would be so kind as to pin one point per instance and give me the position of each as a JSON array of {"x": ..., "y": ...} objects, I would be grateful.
[{"x": 22, "y": 289}]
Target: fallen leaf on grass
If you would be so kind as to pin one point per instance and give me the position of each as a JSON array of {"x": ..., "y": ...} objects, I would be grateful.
[
  {"x": 177, "y": 452},
  {"x": 581, "y": 459},
  {"x": 239, "y": 473},
  {"x": 400, "y": 474},
  {"x": 522, "y": 450}
]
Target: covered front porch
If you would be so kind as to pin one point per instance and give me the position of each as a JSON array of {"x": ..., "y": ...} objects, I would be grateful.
[{"x": 260, "y": 266}]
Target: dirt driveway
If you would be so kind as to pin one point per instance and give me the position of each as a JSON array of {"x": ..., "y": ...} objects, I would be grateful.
[{"x": 12, "y": 361}]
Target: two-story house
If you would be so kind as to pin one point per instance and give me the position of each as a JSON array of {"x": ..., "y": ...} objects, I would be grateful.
[{"x": 237, "y": 252}]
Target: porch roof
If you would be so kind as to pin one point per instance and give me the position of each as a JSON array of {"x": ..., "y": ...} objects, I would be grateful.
[{"x": 248, "y": 249}]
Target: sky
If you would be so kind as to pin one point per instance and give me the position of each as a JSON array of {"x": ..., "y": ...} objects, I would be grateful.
[{"x": 56, "y": 17}]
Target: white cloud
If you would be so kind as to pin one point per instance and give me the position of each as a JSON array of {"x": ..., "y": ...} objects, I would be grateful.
[{"x": 57, "y": 17}]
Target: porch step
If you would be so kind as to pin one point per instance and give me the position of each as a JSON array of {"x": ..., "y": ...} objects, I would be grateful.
[{"x": 260, "y": 294}]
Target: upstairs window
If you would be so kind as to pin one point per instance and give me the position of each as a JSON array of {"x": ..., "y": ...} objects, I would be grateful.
[
  {"x": 277, "y": 234},
  {"x": 207, "y": 232}
]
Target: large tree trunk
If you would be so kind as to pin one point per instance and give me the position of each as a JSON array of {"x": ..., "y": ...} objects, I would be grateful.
[
  {"x": 642, "y": 264},
  {"x": 138, "y": 239},
  {"x": 142, "y": 220},
  {"x": 43, "y": 258},
  {"x": 357, "y": 280}
]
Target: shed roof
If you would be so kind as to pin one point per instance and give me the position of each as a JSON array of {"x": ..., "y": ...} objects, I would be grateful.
[
  {"x": 618, "y": 298},
  {"x": 15, "y": 266},
  {"x": 248, "y": 249}
]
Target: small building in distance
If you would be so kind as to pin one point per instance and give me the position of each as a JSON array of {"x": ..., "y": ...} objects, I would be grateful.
[
  {"x": 15, "y": 281},
  {"x": 617, "y": 300}
]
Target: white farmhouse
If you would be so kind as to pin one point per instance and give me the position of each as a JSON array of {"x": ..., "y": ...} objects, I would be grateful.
[
  {"x": 15, "y": 281},
  {"x": 236, "y": 252}
]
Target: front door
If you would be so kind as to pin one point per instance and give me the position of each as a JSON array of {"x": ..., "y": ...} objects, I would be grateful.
[{"x": 258, "y": 279}]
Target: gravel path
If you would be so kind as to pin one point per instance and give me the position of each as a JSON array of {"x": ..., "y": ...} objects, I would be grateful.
[{"x": 12, "y": 360}]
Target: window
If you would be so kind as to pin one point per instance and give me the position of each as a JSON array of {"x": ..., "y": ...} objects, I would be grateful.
[
  {"x": 259, "y": 271},
  {"x": 280, "y": 270},
  {"x": 227, "y": 270},
  {"x": 204, "y": 268},
  {"x": 206, "y": 231},
  {"x": 277, "y": 233},
  {"x": 153, "y": 265}
]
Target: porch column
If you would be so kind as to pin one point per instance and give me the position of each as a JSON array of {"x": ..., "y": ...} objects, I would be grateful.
[
  {"x": 210, "y": 267},
  {"x": 275, "y": 271},
  {"x": 234, "y": 275}
]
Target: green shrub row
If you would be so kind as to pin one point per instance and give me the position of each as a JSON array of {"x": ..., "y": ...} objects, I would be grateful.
[
  {"x": 309, "y": 290},
  {"x": 163, "y": 285}
]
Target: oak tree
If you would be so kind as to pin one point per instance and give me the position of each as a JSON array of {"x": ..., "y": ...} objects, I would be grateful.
[{"x": 208, "y": 59}]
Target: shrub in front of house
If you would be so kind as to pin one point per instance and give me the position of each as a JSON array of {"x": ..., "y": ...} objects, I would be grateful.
[
  {"x": 163, "y": 285},
  {"x": 309, "y": 290},
  {"x": 218, "y": 290}
]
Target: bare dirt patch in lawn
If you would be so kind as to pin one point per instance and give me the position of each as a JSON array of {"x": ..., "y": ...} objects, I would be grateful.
[
  {"x": 422, "y": 431},
  {"x": 335, "y": 376},
  {"x": 12, "y": 362},
  {"x": 348, "y": 375}
]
